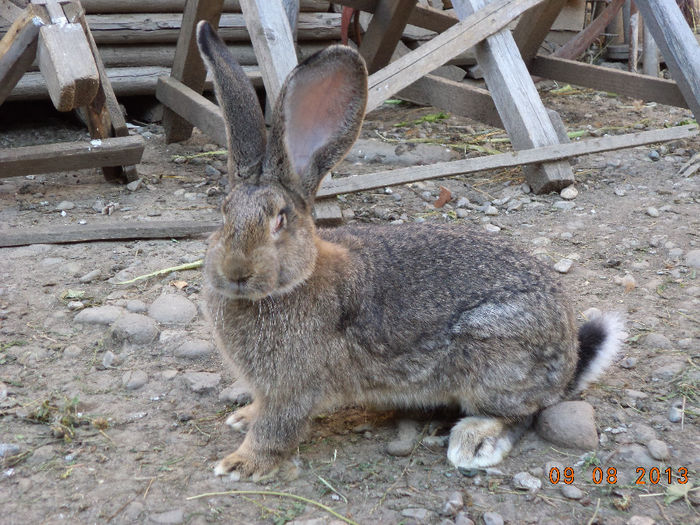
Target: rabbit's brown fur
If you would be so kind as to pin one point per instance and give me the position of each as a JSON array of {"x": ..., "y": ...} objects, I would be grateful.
[{"x": 392, "y": 316}]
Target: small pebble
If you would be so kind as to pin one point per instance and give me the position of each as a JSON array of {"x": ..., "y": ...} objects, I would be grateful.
[
  {"x": 463, "y": 519},
  {"x": 641, "y": 520},
  {"x": 628, "y": 282},
  {"x": 564, "y": 205},
  {"x": 420, "y": 515},
  {"x": 8, "y": 449},
  {"x": 172, "y": 309},
  {"x": 405, "y": 441},
  {"x": 211, "y": 171},
  {"x": 461, "y": 213},
  {"x": 171, "y": 517},
  {"x": 491, "y": 211},
  {"x": 72, "y": 351},
  {"x": 99, "y": 315},
  {"x": 90, "y": 276},
  {"x": 654, "y": 155},
  {"x": 656, "y": 340},
  {"x": 491, "y": 228},
  {"x": 65, "y": 205},
  {"x": 135, "y": 306},
  {"x": 675, "y": 414},
  {"x": 571, "y": 492},
  {"x": 652, "y": 212},
  {"x": 462, "y": 202},
  {"x": 569, "y": 193},
  {"x": 134, "y": 379},
  {"x": 75, "y": 305},
  {"x": 658, "y": 450},
  {"x": 453, "y": 504},
  {"x": 194, "y": 349},
  {"x": 628, "y": 362},
  {"x": 135, "y": 328},
  {"x": 525, "y": 480},
  {"x": 108, "y": 359},
  {"x": 201, "y": 382},
  {"x": 492, "y": 518},
  {"x": 134, "y": 185},
  {"x": 564, "y": 265},
  {"x": 692, "y": 258}
]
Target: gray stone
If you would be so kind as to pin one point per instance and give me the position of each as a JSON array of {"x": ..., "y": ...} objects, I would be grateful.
[
  {"x": 492, "y": 518},
  {"x": 135, "y": 328},
  {"x": 652, "y": 212},
  {"x": 171, "y": 517},
  {"x": 641, "y": 433},
  {"x": 571, "y": 492},
  {"x": 569, "y": 424},
  {"x": 108, "y": 359},
  {"x": 90, "y": 276},
  {"x": 134, "y": 185},
  {"x": 211, "y": 171},
  {"x": 134, "y": 379},
  {"x": 453, "y": 504},
  {"x": 640, "y": 520},
  {"x": 564, "y": 205},
  {"x": 461, "y": 213},
  {"x": 564, "y": 265},
  {"x": 99, "y": 315},
  {"x": 526, "y": 481},
  {"x": 491, "y": 210},
  {"x": 492, "y": 228},
  {"x": 404, "y": 443},
  {"x": 65, "y": 206},
  {"x": 238, "y": 394},
  {"x": 8, "y": 449},
  {"x": 634, "y": 454},
  {"x": 75, "y": 305},
  {"x": 463, "y": 519},
  {"x": 135, "y": 306},
  {"x": 656, "y": 340},
  {"x": 172, "y": 309},
  {"x": 658, "y": 450},
  {"x": 692, "y": 258},
  {"x": 668, "y": 372},
  {"x": 569, "y": 193},
  {"x": 194, "y": 348},
  {"x": 628, "y": 362},
  {"x": 72, "y": 351},
  {"x": 462, "y": 202},
  {"x": 201, "y": 382},
  {"x": 420, "y": 515},
  {"x": 675, "y": 414}
]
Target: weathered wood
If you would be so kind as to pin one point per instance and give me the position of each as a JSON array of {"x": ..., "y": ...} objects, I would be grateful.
[
  {"x": 108, "y": 232},
  {"x": 577, "y": 45},
  {"x": 401, "y": 73},
  {"x": 177, "y": 6},
  {"x": 384, "y": 32},
  {"x": 192, "y": 107},
  {"x": 125, "y": 81},
  {"x": 611, "y": 80},
  {"x": 650, "y": 54},
  {"x": 533, "y": 27},
  {"x": 188, "y": 66},
  {"x": 65, "y": 156},
  {"x": 519, "y": 105},
  {"x": 678, "y": 46},
  {"x": 17, "y": 50},
  {"x": 633, "y": 57},
  {"x": 327, "y": 212},
  {"x": 273, "y": 42},
  {"x": 370, "y": 181},
  {"x": 9, "y": 11},
  {"x": 164, "y": 28},
  {"x": 66, "y": 61},
  {"x": 421, "y": 16}
]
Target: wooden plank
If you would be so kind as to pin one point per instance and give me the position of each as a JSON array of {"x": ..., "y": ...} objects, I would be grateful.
[
  {"x": 193, "y": 108},
  {"x": 188, "y": 66},
  {"x": 178, "y": 6},
  {"x": 17, "y": 50},
  {"x": 533, "y": 27},
  {"x": 108, "y": 232},
  {"x": 678, "y": 46},
  {"x": 421, "y": 16},
  {"x": 519, "y": 105},
  {"x": 66, "y": 156},
  {"x": 327, "y": 212},
  {"x": 650, "y": 54},
  {"x": 611, "y": 80},
  {"x": 370, "y": 181},
  {"x": 384, "y": 32},
  {"x": 9, "y": 11},
  {"x": 272, "y": 39},
  {"x": 125, "y": 81},
  {"x": 66, "y": 61},
  {"x": 403, "y": 72},
  {"x": 577, "y": 45}
]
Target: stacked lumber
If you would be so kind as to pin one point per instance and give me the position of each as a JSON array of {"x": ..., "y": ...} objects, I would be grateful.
[{"x": 137, "y": 39}]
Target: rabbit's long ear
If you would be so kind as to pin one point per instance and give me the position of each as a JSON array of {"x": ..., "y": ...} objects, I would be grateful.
[
  {"x": 317, "y": 119},
  {"x": 245, "y": 125}
]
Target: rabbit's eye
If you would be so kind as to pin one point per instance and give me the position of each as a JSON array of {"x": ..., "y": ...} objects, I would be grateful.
[{"x": 280, "y": 222}]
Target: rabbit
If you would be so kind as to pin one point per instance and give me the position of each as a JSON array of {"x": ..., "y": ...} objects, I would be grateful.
[{"x": 396, "y": 316}]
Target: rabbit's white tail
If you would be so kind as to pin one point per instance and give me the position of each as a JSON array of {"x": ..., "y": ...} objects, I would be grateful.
[{"x": 599, "y": 340}]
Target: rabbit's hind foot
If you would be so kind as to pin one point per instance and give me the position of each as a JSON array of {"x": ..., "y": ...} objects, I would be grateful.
[{"x": 478, "y": 441}]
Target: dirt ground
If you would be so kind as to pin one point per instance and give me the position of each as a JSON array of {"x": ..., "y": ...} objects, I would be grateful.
[{"x": 98, "y": 429}]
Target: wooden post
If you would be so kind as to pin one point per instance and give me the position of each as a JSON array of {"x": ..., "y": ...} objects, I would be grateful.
[
  {"x": 519, "y": 105},
  {"x": 17, "y": 50},
  {"x": 384, "y": 32},
  {"x": 650, "y": 54},
  {"x": 271, "y": 36},
  {"x": 188, "y": 66},
  {"x": 677, "y": 44},
  {"x": 533, "y": 27}
]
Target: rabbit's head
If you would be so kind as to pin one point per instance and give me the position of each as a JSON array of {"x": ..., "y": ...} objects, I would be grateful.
[{"x": 266, "y": 245}]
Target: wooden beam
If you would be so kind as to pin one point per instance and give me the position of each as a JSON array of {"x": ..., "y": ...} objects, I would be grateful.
[
  {"x": 678, "y": 46},
  {"x": 9, "y": 11},
  {"x": 108, "y": 232},
  {"x": 607, "y": 79},
  {"x": 577, "y": 45},
  {"x": 17, "y": 50},
  {"x": 193, "y": 108},
  {"x": 384, "y": 32},
  {"x": 65, "y": 156},
  {"x": 473, "y": 29},
  {"x": 370, "y": 181},
  {"x": 188, "y": 66},
  {"x": 534, "y": 26},
  {"x": 272, "y": 39},
  {"x": 421, "y": 16},
  {"x": 518, "y": 102},
  {"x": 177, "y": 6}
]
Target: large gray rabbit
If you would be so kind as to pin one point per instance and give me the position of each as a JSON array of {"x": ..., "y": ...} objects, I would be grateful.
[{"x": 395, "y": 316}]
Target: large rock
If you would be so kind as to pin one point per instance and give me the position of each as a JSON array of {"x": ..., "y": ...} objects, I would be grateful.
[
  {"x": 135, "y": 328},
  {"x": 99, "y": 315},
  {"x": 569, "y": 424},
  {"x": 173, "y": 309}
]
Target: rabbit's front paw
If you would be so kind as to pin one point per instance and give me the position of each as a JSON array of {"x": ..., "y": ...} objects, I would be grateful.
[
  {"x": 243, "y": 418},
  {"x": 244, "y": 463},
  {"x": 478, "y": 442}
]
